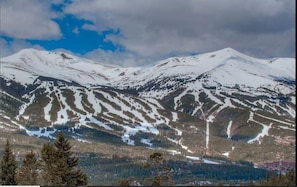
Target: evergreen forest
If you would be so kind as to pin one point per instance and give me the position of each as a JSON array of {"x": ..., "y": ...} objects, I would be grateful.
[{"x": 57, "y": 165}]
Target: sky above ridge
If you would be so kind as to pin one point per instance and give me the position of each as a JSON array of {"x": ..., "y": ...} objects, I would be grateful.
[{"x": 138, "y": 32}]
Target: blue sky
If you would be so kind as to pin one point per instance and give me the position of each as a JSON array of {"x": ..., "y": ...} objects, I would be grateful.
[
  {"x": 132, "y": 32},
  {"x": 75, "y": 39}
]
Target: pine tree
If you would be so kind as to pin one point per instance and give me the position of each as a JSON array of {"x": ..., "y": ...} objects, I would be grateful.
[
  {"x": 72, "y": 175},
  {"x": 63, "y": 146},
  {"x": 60, "y": 165},
  {"x": 8, "y": 166},
  {"x": 289, "y": 179},
  {"x": 53, "y": 166},
  {"x": 28, "y": 174}
]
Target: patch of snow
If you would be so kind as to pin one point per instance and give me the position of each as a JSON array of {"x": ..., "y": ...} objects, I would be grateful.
[
  {"x": 193, "y": 157},
  {"x": 179, "y": 132},
  {"x": 174, "y": 116},
  {"x": 229, "y": 130},
  {"x": 82, "y": 140},
  {"x": 209, "y": 161},
  {"x": 130, "y": 131},
  {"x": 287, "y": 128},
  {"x": 207, "y": 134},
  {"x": 174, "y": 152},
  {"x": 183, "y": 146},
  {"x": 262, "y": 134},
  {"x": 146, "y": 141},
  {"x": 279, "y": 121},
  {"x": 23, "y": 107},
  {"x": 97, "y": 122},
  {"x": 226, "y": 154},
  {"x": 42, "y": 132},
  {"x": 172, "y": 140}
]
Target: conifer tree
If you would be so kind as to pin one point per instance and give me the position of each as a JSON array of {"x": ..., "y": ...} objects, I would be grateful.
[
  {"x": 60, "y": 165},
  {"x": 289, "y": 179},
  {"x": 73, "y": 176},
  {"x": 28, "y": 174},
  {"x": 8, "y": 166},
  {"x": 53, "y": 166},
  {"x": 63, "y": 147}
]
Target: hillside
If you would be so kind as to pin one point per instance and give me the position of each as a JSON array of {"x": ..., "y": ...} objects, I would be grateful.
[{"x": 222, "y": 104}]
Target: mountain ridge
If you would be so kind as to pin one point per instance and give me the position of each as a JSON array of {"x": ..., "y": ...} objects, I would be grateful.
[
  {"x": 202, "y": 104},
  {"x": 108, "y": 72}
]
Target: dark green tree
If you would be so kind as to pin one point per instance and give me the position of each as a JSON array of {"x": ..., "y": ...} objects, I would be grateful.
[
  {"x": 72, "y": 175},
  {"x": 289, "y": 179},
  {"x": 60, "y": 166},
  {"x": 63, "y": 147},
  {"x": 53, "y": 167},
  {"x": 8, "y": 166},
  {"x": 28, "y": 174}
]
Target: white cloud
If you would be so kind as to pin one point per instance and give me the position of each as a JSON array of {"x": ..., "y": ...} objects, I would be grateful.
[
  {"x": 11, "y": 47},
  {"x": 76, "y": 30},
  {"x": 4, "y": 50},
  {"x": 156, "y": 29},
  {"x": 25, "y": 19},
  {"x": 124, "y": 59}
]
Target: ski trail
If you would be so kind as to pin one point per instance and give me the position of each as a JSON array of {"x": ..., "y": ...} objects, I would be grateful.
[
  {"x": 209, "y": 119},
  {"x": 262, "y": 134},
  {"x": 229, "y": 130}
]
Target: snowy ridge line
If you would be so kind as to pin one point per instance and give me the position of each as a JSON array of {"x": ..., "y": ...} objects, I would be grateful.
[
  {"x": 89, "y": 72},
  {"x": 147, "y": 99}
]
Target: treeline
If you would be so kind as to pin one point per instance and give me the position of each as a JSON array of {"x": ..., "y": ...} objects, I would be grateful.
[
  {"x": 289, "y": 179},
  {"x": 214, "y": 171},
  {"x": 56, "y": 166}
]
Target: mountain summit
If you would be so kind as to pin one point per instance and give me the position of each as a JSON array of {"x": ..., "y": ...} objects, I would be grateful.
[
  {"x": 213, "y": 103},
  {"x": 68, "y": 67}
]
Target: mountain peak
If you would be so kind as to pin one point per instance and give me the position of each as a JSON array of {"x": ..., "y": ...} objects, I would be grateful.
[
  {"x": 72, "y": 68},
  {"x": 222, "y": 95},
  {"x": 228, "y": 49},
  {"x": 231, "y": 52}
]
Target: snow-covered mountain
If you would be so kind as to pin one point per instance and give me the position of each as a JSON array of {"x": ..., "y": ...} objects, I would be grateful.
[{"x": 210, "y": 103}]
